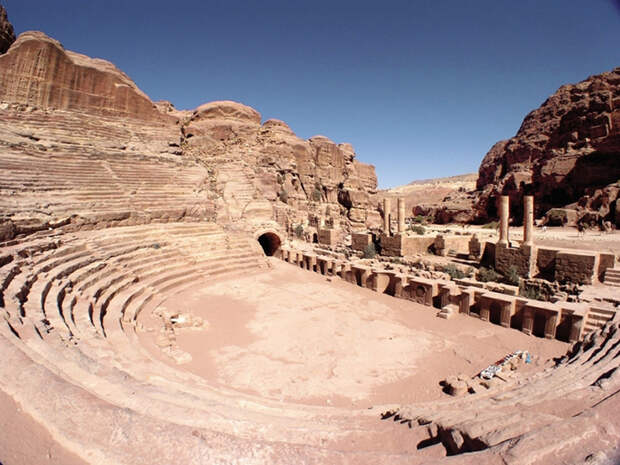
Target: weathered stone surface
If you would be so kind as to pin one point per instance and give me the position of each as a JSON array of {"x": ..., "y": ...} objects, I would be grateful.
[
  {"x": 442, "y": 200},
  {"x": 597, "y": 206},
  {"x": 38, "y": 72},
  {"x": 7, "y": 34},
  {"x": 568, "y": 145},
  {"x": 359, "y": 241},
  {"x": 52, "y": 97},
  {"x": 575, "y": 267},
  {"x": 318, "y": 177}
]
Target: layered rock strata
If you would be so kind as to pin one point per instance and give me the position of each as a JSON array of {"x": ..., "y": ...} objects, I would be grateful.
[
  {"x": 100, "y": 152},
  {"x": 570, "y": 145},
  {"x": 38, "y": 72},
  {"x": 306, "y": 181}
]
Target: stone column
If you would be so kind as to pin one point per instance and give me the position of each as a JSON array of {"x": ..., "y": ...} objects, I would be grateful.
[
  {"x": 336, "y": 267},
  {"x": 505, "y": 316},
  {"x": 387, "y": 206},
  {"x": 528, "y": 321},
  {"x": 466, "y": 300},
  {"x": 474, "y": 248},
  {"x": 312, "y": 263},
  {"x": 401, "y": 281},
  {"x": 444, "y": 296},
  {"x": 504, "y": 206},
  {"x": 485, "y": 310},
  {"x": 528, "y": 220},
  {"x": 575, "y": 329},
  {"x": 345, "y": 271},
  {"x": 380, "y": 281},
  {"x": 551, "y": 325},
  {"x": 401, "y": 215}
]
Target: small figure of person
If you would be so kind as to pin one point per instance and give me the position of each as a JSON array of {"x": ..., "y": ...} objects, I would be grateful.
[{"x": 581, "y": 229}]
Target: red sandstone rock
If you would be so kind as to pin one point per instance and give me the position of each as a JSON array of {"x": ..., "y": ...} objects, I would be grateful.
[
  {"x": 569, "y": 144},
  {"x": 317, "y": 176},
  {"x": 7, "y": 34},
  {"x": 38, "y": 72},
  {"x": 227, "y": 109},
  {"x": 443, "y": 200},
  {"x": 248, "y": 168}
]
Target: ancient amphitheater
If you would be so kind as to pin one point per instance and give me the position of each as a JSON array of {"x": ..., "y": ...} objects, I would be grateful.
[{"x": 176, "y": 288}]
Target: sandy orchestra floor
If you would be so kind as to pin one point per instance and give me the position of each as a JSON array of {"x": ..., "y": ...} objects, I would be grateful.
[{"x": 291, "y": 335}]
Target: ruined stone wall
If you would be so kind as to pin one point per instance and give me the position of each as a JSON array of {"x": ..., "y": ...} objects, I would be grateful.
[
  {"x": 606, "y": 261},
  {"x": 572, "y": 266},
  {"x": 359, "y": 241},
  {"x": 403, "y": 246},
  {"x": 391, "y": 246},
  {"x": 509, "y": 257},
  {"x": 545, "y": 262},
  {"x": 488, "y": 254},
  {"x": 412, "y": 245},
  {"x": 454, "y": 244},
  {"x": 575, "y": 267},
  {"x": 328, "y": 237}
]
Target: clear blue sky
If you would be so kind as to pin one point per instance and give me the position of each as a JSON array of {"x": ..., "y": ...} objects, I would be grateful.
[{"x": 420, "y": 88}]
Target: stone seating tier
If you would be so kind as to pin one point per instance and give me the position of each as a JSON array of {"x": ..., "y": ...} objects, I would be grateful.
[
  {"x": 70, "y": 304},
  {"x": 95, "y": 355}
]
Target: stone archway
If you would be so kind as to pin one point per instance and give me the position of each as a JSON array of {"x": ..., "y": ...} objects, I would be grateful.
[{"x": 270, "y": 242}]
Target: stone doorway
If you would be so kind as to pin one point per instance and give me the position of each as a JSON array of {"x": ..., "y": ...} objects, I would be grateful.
[
  {"x": 495, "y": 313},
  {"x": 270, "y": 242},
  {"x": 540, "y": 320}
]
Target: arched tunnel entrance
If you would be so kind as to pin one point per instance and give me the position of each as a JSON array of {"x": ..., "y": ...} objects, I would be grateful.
[{"x": 270, "y": 242}]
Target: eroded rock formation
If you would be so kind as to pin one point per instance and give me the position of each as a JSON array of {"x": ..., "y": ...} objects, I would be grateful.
[
  {"x": 259, "y": 166},
  {"x": 442, "y": 200},
  {"x": 570, "y": 145},
  {"x": 38, "y": 72},
  {"x": 78, "y": 108},
  {"x": 7, "y": 34}
]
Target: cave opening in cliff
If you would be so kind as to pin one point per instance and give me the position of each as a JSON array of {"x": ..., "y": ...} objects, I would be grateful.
[{"x": 270, "y": 243}]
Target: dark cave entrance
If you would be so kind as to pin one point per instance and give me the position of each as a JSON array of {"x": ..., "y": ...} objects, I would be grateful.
[{"x": 270, "y": 243}]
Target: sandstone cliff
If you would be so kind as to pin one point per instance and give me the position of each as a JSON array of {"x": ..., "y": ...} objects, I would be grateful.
[
  {"x": 38, "y": 72},
  {"x": 7, "y": 35},
  {"x": 100, "y": 152},
  {"x": 260, "y": 166},
  {"x": 443, "y": 200},
  {"x": 567, "y": 148}
]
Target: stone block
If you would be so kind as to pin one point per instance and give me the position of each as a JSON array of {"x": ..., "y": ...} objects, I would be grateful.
[
  {"x": 606, "y": 261},
  {"x": 328, "y": 237},
  {"x": 575, "y": 267},
  {"x": 359, "y": 241}
]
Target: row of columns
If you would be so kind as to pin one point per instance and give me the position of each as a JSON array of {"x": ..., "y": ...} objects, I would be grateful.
[
  {"x": 387, "y": 208},
  {"x": 528, "y": 220}
]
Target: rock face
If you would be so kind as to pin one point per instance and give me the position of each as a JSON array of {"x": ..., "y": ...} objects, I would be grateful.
[
  {"x": 147, "y": 161},
  {"x": 259, "y": 166},
  {"x": 38, "y": 72},
  {"x": 7, "y": 35},
  {"x": 443, "y": 200},
  {"x": 567, "y": 146}
]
